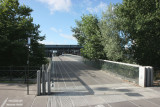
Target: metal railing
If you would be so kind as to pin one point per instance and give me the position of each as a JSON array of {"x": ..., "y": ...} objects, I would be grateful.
[{"x": 18, "y": 73}]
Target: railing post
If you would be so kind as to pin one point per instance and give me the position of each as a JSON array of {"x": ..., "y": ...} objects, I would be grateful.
[
  {"x": 10, "y": 73},
  {"x": 38, "y": 83}
]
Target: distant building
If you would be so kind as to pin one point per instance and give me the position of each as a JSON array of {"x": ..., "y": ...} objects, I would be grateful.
[{"x": 61, "y": 49}]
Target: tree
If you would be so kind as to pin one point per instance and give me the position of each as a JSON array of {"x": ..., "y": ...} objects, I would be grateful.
[
  {"x": 86, "y": 33},
  {"x": 78, "y": 34},
  {"x": 16, "y": 25},
  {"x": 140, "y": 22},
  {"x": 111, "y": 39}
]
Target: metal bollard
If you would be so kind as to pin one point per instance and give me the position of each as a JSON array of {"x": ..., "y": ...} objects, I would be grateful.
[
  {"x": 43, "y": 80},
  {"x": 142, "y": 76},
  {"x": 38, "y": 83},
  {"x": 152, "y": 71},
  {"x": 149, "y": 76},
  {"x": 46, "y": 68},
  {"x": 49, "y": 86}
]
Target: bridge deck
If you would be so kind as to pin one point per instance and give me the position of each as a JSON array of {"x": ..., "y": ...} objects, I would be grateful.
[{"x": 76, "y": 84}]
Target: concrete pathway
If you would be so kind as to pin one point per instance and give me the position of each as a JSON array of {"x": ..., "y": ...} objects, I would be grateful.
[
  {"x": 78, "y": 85},
  {"x": 15, "y": 95}
]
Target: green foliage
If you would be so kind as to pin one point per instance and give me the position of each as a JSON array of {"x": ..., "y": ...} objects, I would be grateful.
[
  {"x": 16, "y": 25},
  {"x": 140, "y": 22},
  {"x": 128, "y": 32},
  {"x": 78, "y": 34},
  {"x": 111, "y": 40},
  {"x": 86, "y": 32}
]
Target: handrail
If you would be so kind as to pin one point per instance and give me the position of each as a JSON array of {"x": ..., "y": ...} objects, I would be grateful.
[{"x": 122, "y": 63}]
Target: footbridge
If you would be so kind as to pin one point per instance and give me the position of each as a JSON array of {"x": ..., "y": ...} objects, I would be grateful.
[
  {"x": 67, "y": 49},
  {"x": 76, "y": 84}
]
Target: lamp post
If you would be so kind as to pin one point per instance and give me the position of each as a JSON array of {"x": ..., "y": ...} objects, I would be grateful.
[{"x": 28, "y": 44}]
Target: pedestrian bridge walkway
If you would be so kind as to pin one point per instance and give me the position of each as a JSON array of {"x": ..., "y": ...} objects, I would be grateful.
[{"x": 79, "y": 85}]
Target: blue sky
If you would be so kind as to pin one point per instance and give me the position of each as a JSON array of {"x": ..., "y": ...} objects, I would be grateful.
[{"x": 56, "y": 17}]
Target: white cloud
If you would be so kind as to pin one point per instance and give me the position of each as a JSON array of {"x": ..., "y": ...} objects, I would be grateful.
[
  {"x": 101, "y": 7},
  {"x": 67, "y": 36},
  {"x": 87, "y": 2},
  {"x": 58, "y": 5},
  {"x": 59, "y": 31},
  {"x": 56, "y": 30}
]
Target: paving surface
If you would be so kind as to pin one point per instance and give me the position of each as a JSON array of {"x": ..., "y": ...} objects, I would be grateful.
[
  {"x": 12, "y": 94},
  {"x": 78, "y": 85},
  {"x": 15, "y": 95}
]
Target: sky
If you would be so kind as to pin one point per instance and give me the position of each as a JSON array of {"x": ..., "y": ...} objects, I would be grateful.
[{"x": 56, "y": 17}]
